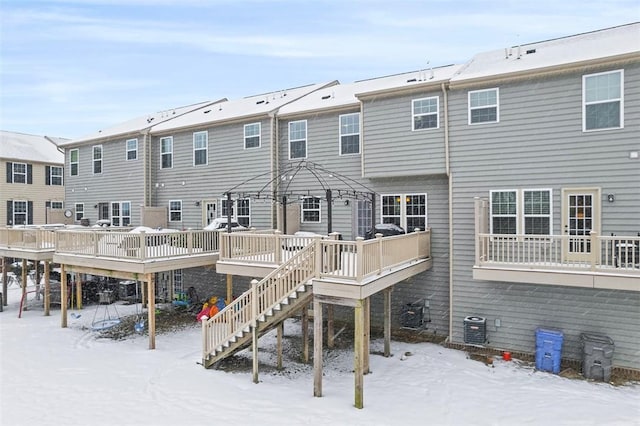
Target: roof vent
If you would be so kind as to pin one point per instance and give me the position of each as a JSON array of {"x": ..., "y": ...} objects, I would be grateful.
[
  {"x": 530, "y": 51},
  {"x": 260, "y": 102},
  {"x": 207, "y": 111},
  {"x": 326, "y": 97},
  {"x": 411, "y": 80}
]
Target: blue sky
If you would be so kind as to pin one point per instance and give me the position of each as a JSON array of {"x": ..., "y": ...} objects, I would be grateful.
[{"x": 72, "y": 67}]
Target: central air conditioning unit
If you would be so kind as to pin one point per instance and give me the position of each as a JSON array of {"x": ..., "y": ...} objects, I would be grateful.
[{"x": 475, "y": 330}]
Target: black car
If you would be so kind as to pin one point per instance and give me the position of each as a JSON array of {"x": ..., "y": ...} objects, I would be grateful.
[{"x": 386, "y": 229}]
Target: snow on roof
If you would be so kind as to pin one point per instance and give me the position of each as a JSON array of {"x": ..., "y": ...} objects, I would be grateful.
[
  {"x": 239, "y": 108},
  {"x": 21, "y": 146},
  {"x": 141, "y": 123},
  {"x": 344, "y": 95},
  {"x": 594, "y": 45}
]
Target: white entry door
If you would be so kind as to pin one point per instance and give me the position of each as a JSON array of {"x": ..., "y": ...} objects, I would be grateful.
[
  {"x": 580, "y": 216},
  {"x": 210, "y": 211}
]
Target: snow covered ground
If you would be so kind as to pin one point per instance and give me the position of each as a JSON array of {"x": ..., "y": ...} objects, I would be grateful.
[{"x": 55, "y": 376}]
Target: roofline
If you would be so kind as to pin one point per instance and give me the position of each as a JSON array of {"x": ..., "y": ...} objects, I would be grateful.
[
  {"x": 140, "y": 131},
  {"x": 335, "y": 108},
  {"x": 537, "y": 72},
  {"x": 29, "y": 160},
  {"x": 267, "y": 114},
  {"x": 392, "y": 91}
]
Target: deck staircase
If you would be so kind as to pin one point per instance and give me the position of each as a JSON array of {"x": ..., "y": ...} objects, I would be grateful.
[{"x": 266, "y": 304}]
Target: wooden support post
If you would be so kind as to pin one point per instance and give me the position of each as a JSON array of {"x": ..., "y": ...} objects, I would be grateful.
[
  {"x": 367, "y": 333},
  {"x": 47, "y": 289},
  {"x": 5, "y": 284},
  {"x": 279, "y": 344},
  {"x": 359, "y": 353},
  {"x": 79, "y": 291},
  {"x": 24, "y": 283},
  {"x": 317, "y": 348},
  {"x": 254, "y": 327},
  {"x": 330, "y": 327},
  {"x": 143, "y": 293},
  {"x": 151, "y": 311},
  {"x": 37, "y": 277},
  {"x": 305, "y": 333},
  {"x": 229, "y": 288},
  {"x": 254, "y": 350},
  {"x": 387, "y": 322},
  {"x": 63, "y": 296}
]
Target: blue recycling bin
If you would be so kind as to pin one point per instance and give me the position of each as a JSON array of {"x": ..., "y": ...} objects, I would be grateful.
[{"x": 549, "y": 350}]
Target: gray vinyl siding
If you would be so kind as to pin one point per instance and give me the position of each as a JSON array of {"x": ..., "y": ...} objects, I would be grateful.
[
  {"x": 120, "y": 180},
  {"x": 392, "y": 148},
  {"x": 323, "y": 149},
  {"x": 539, "y": 143},
  {"x": 228, "y": 165}
]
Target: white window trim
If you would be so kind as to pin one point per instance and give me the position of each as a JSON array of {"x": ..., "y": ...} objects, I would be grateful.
[
  {"x": 121, "y": 216},
  {"x": 259, "y": 135},
  {"x": 303, "y": 210},
  {"x": 181, "y": 212},
  {"x": 77, "y": 162},
  {"x": 520, "y": 214},
  {"x": 340, "y": 134},
  {"x": 306, "y": 139},
  {"x": 127, "y": 150},
  {"x": 205, "y": 149},
  {"x": 14, "y": 173},
  {"x": 75, "y": 208},
  {"x": 166, "y": 153},
  {"x": 497, "y": 105},
  {"x": 403, "y": 208},
  {"x": 237, "y": 211},
  {"x": 94, "y": 160},
  {"x": 584, "y": 101},
  {"x": 61, "y": 175},
  {"x": 25, "y": 213},
  {"x": 414, "y": 115}
]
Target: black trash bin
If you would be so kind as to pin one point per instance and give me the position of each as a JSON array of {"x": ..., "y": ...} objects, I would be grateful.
[{"x": 597, "y": 353}]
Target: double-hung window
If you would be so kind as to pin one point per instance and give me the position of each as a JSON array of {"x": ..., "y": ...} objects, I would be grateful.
[
  {"x": 243, "y": 211},
  {"x": 97, "y": 159},
  {"x": 523, "y": 211},
  {"x": 200, "y": 148},
  {"x": 132, "y": 149},
  {"x": 74, "y": 162},
  {"x": 483, "y": 106},
  {"x": 53, "y": 175},
  {"x": 350, "y": 134},
  {"x": 79, "y": 208},
  {"x": 19, "y": 172},
  {"x": 54, "y": 205},
  {"x": 425, "y": 113},
  {"x": 20, "y": 213},
  {"x": 409, "y": 211},
  {"x": 310, "y": 209},
  {"x": 298, "y": 139},
  {"x": 121, "y": 213},
  {"x": 175, "y": 211},
  {"x": 166, "y": 152},
  {"x": 252, "y": 135},
  {"x": 602, "y": 101}
]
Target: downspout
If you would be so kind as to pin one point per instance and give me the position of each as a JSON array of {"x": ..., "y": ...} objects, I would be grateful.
[
  {"x": 362, "y": 141},
  {"x": 450, "y": 196},
  {"x": 146, "y": 170},
  {"x": 274, "y": 169}
]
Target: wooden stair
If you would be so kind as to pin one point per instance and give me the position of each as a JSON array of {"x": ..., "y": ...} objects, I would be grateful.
[{"x": 270, "y": 301}]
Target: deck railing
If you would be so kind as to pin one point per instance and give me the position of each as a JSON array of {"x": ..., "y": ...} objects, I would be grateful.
[
  {"x": 34, "y": 239},
  {"x": 136, "y": 246},
  {"x": 351, "y": 260},
  {"x": 263, "y": 296},
  {"x": 592, "y": 252}
]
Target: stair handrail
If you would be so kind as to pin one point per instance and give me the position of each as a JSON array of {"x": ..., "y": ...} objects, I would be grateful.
[{"x": 244, "y": 311}]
